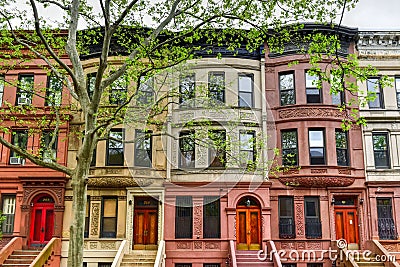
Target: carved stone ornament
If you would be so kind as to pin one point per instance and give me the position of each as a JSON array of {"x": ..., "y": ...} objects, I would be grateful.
[
  {"x": 112, "y": 182},
  {"x": 107, "y": 245},
  {"x": 95, "y": 219},
  {"x": 318, "y": 182},
  {"x": 183, "y": 245},
  {"x": 197, "y": 220},
  {"x": 198, "y": 245},
  {"x": 307, "y": 112},
  {"x": 299, "y": 219},
  {"x": 212, "y": 245}
]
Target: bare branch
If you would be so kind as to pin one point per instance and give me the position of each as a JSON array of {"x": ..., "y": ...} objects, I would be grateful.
[{"x": 54, "y": 3}]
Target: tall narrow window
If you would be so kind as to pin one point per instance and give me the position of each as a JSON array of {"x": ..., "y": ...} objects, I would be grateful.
[
  {"x": 246, "y": 88},
  {"x": 286, "y": 89},
  {"x": 187, "y": 150},
  {"x": 247, "y": 155},
  {"x": 397, "y": 84},
  {"x": 143, "y": 148},
  {"x": 338, "y": 96},
  {"x": 386, "y": 225},
  {"x": 186, "y": 88},
  {"x": 216, "y": 86},
  {"x": 115, "y": 148},
  {"x": 286, "y": 217},
  {"x": 183, "y": 265},
  {"x": 183, "y": 217},
  {"x": 312, "y": 216},
  {"x": 118, "y": 91},
  {"x": 374, "y": 88},
  {"x": 53, "y": 91},
  {"x": 313, "y": 92},
  {"x": 381, "y": 150},
  {"x": 145, "y": 95},
  {"x": 104, "y": 264},
  {"x": 20, "y": 139},
  {"x": 87, "y": 217},
  {"x": 211, "y": 217},
  {"x": 109, "y": 217},
  {"x": 49, "y": 146},
  {"x": 342, "y": 148},
  {"x": 289, "y": 148},
  {"x": 217, "y": 152},
  {"x": 25, "y": 89},
  {"x": 8, "y": 213},
  {"x": 211, "y": 265},
  {"x": 1, "y": 89},
  {"x": 317, "y": 147},
  {"x": 91, "y": 80}
]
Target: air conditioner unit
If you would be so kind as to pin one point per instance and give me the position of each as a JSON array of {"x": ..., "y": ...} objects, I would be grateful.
[
  {"x": 16, "y": 160},
  {"x": 24, "y": 101}
]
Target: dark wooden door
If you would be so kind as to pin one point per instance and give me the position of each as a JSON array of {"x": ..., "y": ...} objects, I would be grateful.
[
  {"x": 248, "y": 229},
  {"x": 42, "y": 224},
  {"x": 346, "y": 225},
  {"x": 145, "y": 227}
]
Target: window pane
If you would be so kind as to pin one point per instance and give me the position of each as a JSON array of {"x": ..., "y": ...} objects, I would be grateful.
[
  {"x": 146, "y": 90},
  {"x": 286, "y": 220},
  {"x": 115, "y": 148},
  {"x": 245, "y": 91},
  {"x": 143, "y": 150},
  {"x": 8, "y": 213},
  {"x": 118, "y": 94},
  {"x": 374, "y": 86},
  {"x": 109, "y": 217},
  {"x": 316, "y": 145},
  {"x": 49, "y": 153},
  {"x": 187, "y": 88},
  {"x": 211, "y": 217},
  {"x": 20, "y": 139},
  {"x": 311, "y": 81},
  {"x": 25, "y": 89},
  {"x": 183, "y": 217},
  {"x": 289, "y": 147},
  {"x": 216, "y": 86},
  {"x": 1, "y": 88},
  {"x": 217, "y": 155},
  {"x": 54, "y": 91},
  {"x": 316, "y": 138},
  {"x": 110, "y": 207},
  {"x": 187, "y": 150}
]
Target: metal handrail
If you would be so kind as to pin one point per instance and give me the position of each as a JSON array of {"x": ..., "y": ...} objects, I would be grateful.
[
  {"x": 120, "y": 254},
  {"x": 160, "y": 258}
]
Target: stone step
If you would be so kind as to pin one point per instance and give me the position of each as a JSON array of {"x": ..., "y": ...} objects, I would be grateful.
[
  {"x": 255, "y": 264},
  {"x": 18, "y": 261},
  {"x": 15, "y": 265},
  {"x": 27, "y": 257},
  {"x": 136, "y": 264},
  {"x": 26, "y": 252},
  {"x": 370, "y": 263}
]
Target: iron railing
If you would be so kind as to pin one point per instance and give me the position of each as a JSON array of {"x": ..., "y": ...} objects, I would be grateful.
[
  {"x": 286, "y": 228},
  {"x": 387, "y": 229},
  {"x": 313, "y": 228}
]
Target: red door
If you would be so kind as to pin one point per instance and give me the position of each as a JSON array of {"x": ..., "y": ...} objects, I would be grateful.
[
  {"x": 346, "y": 224},
  {"x": 42, "y": 223},
  {"x": 145, "y": 227}
]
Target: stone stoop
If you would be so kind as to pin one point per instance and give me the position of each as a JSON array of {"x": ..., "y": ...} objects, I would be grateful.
[
  {"x": 21, "y": 258},
  {"x": 368, "y": 262},
  {"x": 142, "y": 258},
  {"x": 248, "y": 258}
]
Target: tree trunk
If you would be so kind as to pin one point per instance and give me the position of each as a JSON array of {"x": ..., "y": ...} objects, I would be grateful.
[{"x": 75, "y": 251}]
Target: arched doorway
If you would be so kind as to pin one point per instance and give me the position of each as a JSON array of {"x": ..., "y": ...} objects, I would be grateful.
[
  {"x": 248, "y": 226},
  {"x": 42, "y": 220}
]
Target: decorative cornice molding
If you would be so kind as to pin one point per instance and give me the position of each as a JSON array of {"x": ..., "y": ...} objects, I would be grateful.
[{"x": 319, "y": 182}]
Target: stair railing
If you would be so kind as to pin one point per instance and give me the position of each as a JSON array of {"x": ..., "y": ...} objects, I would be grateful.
[
  {"x": 232, "y": 253},
  {"x": 7, "y": 250},
  {"x": 376, "y": 247},
  {"x": 120, "y": 254},
  {"x": 46, "y": 253},
  {"x": 275, "y": 255},
  {"x": 160, "y": 258}
]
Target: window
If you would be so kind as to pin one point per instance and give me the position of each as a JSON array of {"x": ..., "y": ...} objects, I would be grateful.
[
  {"x": 84, "y": 264},
  {"x": 217, "y": 153},
  {"x": 1, "y": 88},
  {"x": 20, "y": 139},
  {"x": 374, "y": 88},
  {"x": 186, "y": 88},
  {"x": 397, "y": 84},
  {"x": 289, "y": 148},
  {"x": 386, "y": 225},
  {"x": 91, "y": 80},
  {"x": 109, "y": 217},
  {"x": 115, "y": 148},
  {"x": 143, "y": 148},
  {"x": 312, "y": 216},
  {"x": 337, "y": 93},
  {"x": 25, "y": 89},
  {"x": 286, "y": 217},
  {"x": 183, "y": 217},
  {"x": 338, "y": 98},
  {"x": 183, "y": 265},
  {"x": 53, "y": 91},
  {"x": 246, "y": 90},
  {"x": 211, "y": 265},
  {"x": 342, "y": 148},
  {"x": 216, "y": 86},
  {"x": 9, "y": 213},
  {"x": 247, "y": 155},
  {"x": 381, "y": 150},
  {"x": 211, "y": 217},
  {"x": 49, "y": 153},
  {"x": 118, "y": 93},
  {"x": 87, "y": 217},
  {"x": 104, "y": 264},
  {"x": 145, "y": 95},
  {"x": 317, "y": 147},
  {"x": 187, "y": 150},
  {"x": 286, "y": 89},
  {"x": 289, "y": 264},
  {"x": 313, "y": 90}
]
